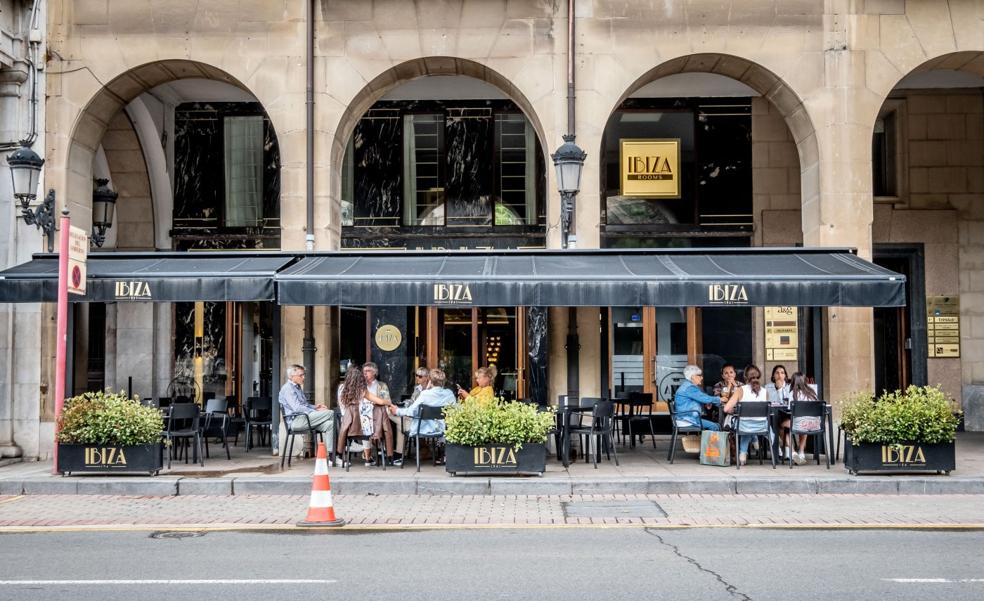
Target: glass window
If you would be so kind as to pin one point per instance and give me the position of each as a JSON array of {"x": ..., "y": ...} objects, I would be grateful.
[
  {"x": 516, "y": 148},
  {"x": 423, "y": 187},
  {"x": 243, "y": 138},
  {"x": 883, "y": 159}
]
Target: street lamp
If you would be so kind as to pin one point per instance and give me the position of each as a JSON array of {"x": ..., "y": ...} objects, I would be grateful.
[
  {"x": 25, "y": 171},
  {"x": 103, "y": 205},
  {"x": 568, "y": 161}
]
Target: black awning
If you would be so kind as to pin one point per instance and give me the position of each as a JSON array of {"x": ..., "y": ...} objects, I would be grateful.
[
  {"x": 666, "y": 277},
  {"x": 151, "y": 277}
]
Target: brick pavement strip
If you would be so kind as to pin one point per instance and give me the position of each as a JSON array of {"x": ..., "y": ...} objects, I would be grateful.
[{"x": 416, "y": 511}]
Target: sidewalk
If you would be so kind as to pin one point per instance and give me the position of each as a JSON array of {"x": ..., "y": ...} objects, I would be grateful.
[
  {"x": 643, "y": 470},
  {"x": 53, "y": 512}
]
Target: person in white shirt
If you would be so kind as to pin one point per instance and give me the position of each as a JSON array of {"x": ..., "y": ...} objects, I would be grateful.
[{"x": 752, "y": 392}]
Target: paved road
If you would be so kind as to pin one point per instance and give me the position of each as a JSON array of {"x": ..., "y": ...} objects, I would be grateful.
[{"x": 589, "y": 563}]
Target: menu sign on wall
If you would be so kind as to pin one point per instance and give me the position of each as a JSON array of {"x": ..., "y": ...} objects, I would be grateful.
[
  {"x": 650, "y": 168},
  {"x": 943, "y": 326},
  {"x": 781, "y": 334}
]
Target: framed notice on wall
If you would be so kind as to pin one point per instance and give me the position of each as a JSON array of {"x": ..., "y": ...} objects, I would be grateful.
[
  {"x": 781, "y": 334},
  {"x": 943, "y": 326},
  {"x": 650, "y": 168}
]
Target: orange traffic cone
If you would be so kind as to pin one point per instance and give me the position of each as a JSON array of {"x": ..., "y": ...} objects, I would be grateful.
[{"x": 321, "y": 512}]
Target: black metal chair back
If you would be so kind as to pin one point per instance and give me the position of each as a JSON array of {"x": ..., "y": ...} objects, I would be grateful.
[
  {"x": 753, "y": 410},
  {"x": 681, "y": 424},
  {"x": 258, "y": 414},
  {"x": 802, "y": 415},
  {"x": 183, "y": 423},
  {"x": 602, "y": 430}
]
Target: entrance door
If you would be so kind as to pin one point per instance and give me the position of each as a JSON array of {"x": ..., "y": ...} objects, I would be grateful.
[
  {"x": 460, "y": 340},
  {"x": 650, "y": 346},
  {"x": 899, "y": 330}
]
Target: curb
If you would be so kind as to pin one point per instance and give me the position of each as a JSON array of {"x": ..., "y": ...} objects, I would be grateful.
[{"x": 529, "y": 486}]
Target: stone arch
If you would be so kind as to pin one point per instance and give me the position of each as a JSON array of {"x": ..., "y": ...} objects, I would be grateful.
[
  {"x": 402, "y": 73},
  {"x": 773, "y": 88},
  {"x": 109, "y": 101}
]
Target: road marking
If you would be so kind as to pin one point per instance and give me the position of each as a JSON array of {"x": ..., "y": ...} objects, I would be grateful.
[
  {"x": 167, "y": 582},
  {"x": 933, "y": 580},
  {"x": 12, "y": 499}
]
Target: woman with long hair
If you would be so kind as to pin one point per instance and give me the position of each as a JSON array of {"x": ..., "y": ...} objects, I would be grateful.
[
  {"x": 799, "y": 391},
  {"x": 363, "y": 414},
  {"x": 778, "y": 389},
  {"x": 752, "y": 392}
]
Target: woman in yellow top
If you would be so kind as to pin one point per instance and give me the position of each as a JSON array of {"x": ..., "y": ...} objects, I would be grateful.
[{"x": 484, "y": 376}]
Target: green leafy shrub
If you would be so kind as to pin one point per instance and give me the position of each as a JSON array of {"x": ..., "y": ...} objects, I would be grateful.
[
  {"x": 108, "y": 418},
  {"x": 920, "y": 414},
  {"x": 476, "y": 423}
]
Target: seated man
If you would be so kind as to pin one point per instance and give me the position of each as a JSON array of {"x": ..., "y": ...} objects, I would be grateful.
[
  {"x": 435, "y": 395},
  {"x": 689, "y": 399},
  {"x": 293, "y": 401}
]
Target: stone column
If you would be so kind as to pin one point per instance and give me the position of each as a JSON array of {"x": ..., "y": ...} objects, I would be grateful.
[{"x": 841, "y": 213}]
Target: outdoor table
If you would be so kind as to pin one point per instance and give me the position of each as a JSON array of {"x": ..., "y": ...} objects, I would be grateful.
[
  {"x": 631, "y": 404},
  {"x": 779, "y": 412}
]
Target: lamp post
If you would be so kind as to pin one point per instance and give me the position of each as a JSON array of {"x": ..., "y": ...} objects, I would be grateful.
[
  {"x": 25, "y": 171},
  {"x": 568, "y": 161},
  {"x": 103, "y": 206}
]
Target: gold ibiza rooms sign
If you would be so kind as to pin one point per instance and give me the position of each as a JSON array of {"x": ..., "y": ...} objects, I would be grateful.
[{"x": 650, "y": 168}]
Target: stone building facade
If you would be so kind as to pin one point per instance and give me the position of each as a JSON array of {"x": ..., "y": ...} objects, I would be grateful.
[{"x": 820, "y": 76}]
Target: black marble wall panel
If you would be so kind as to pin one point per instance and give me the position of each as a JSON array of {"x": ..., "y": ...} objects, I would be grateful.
[
  {"x": 199, "y": 179},
  {"x": 378, "y": 155},
  {"x": 394, "y": 366},
  {"x": 211, "y": 346},
  {"x": 199, "y": 176},
  {"x": 468, "y": 189},
  {"x": 537, "y": 354}
]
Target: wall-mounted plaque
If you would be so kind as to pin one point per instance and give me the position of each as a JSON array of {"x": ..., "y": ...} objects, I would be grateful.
[
  {"x": 650, "y": 168},
  {"x": 781, "y": 334},
  {"x": 388, "y": 338},
  {"x": 943, "y": 326}
]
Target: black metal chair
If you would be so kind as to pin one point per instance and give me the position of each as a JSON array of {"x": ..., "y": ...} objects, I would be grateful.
[
  {"x": 216, "y": 423},
  {"x": 602, "y": 429},
  {"x": 580, "y": 428},
  {"x": 288, "y": 451},
  {"x": 258, "y": 415},
  {"x": 183, "y": 424},
  {"x": 424, "y": 412},
  {"x": 801, "y": 417},
  {"x": 748, "y": 411},
  {"x": 681, "y": 425}
]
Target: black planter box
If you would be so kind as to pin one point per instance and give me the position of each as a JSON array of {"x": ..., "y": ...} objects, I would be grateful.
[
  {"x": 900, "y": 458},
  {"x": 108, "y": 459},
  {"x": 496, "y": 459}
]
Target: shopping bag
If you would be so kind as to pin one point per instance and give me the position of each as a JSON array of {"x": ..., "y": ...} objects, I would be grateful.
[
  {"x": 714, "y": 448},
  {"x": 691, "y": 443}
]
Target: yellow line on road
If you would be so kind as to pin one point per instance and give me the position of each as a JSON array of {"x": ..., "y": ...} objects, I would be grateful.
[
  {"x": 973, "y": 526},
  {"x": 11, "y": 500}
]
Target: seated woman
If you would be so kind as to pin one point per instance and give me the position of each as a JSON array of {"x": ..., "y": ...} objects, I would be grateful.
[
  {"x": 752, "y": 392},
  {"x": 778, "y": 389},
  {"x": 799, "y": 391},
  {"x": 363, "y": 414},
  {"x": 484, "y": 376}
]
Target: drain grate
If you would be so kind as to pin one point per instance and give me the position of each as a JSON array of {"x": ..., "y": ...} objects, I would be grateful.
[
  {"x": 612, "y": 509},
  {"x": 179, "y": 534}
]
